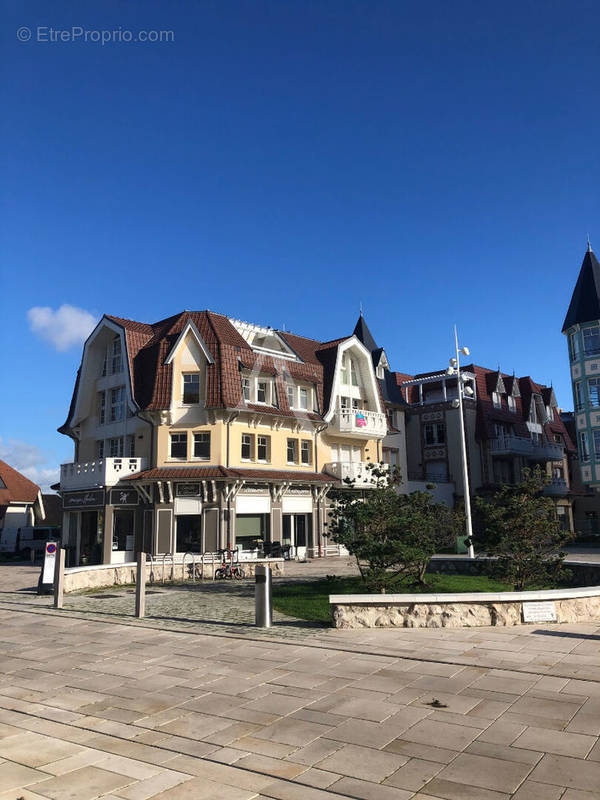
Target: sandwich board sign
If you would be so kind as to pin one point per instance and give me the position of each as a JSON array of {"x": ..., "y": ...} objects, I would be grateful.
[{"x": 46, "y": 584}]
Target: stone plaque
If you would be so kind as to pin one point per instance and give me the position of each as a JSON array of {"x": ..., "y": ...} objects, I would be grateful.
[{"x": 539, "y": 612}]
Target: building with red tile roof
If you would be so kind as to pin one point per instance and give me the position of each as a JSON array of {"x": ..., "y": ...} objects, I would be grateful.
[{"x": 21, "y": 506}]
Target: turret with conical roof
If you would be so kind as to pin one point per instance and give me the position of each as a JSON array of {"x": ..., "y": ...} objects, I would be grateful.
[{"x": 582, "y": 329}]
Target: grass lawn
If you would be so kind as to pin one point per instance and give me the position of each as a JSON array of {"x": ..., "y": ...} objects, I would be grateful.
[{"x": 310, "y": 600}]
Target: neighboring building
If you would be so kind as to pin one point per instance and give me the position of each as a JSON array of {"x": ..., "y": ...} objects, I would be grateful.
[
  {"x": 201, "y": 432},
  {"x": 582, "y": 329},
  {"x": 510, "y": 423},
  {"x": 586, "y": 499},
  {"x": 21, "y": 507},
  {"x": 396, "y": 444}
]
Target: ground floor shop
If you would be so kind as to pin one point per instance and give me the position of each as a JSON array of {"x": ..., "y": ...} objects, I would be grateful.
[{"x": 256, "y": 518}]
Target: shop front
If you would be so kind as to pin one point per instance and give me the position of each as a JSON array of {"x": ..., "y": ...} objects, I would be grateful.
[{"x": 83, "y": 522}]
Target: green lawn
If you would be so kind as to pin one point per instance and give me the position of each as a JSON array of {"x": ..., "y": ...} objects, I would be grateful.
[{"x": 310, "y": 600}]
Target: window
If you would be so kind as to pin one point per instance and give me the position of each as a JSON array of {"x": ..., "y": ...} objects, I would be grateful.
[
  {"x": 584, "y": 450},
  {"x": 261, "y": 392},
  {"x": 290, "y": 396},
  {"x": 345, "y": 403},
  {"x": 512, "y": 403},
  {"x": 101, "y": 408},
  {"x": 130, "y": 446},
  {"x": 247, "y": 446},
  {"x": 115, "y": 447},
  {"x": 353, "y": 372},
  {"x": 379, "y": 372},
  {"x": 591, "y": 341},
  {"x": 435, "y": 433},
  {"x": 179, "y": 445},
  {"x": 303, "y": 397},
  {"x": 191, "y": 388},
  {"x": 344, "y": 370},
  {"x": 117, "y": 404},
  {"x": 202, "y": 445},
  {"x": 594, "y": 391},
  {"x": 574, "y": 349},
  {"x": 392, "y": 418},
  {"x": 246, "y": 388},
  {"x": 306, "y": 451},
  {"x": 292, "y": 451},
  {"x": 496, "y": 400},
  {"x": 100, "y": 449},
  {"x": 578, "y": 392},
  {"x": 116, "y": 355},
  {"x": 596, "y": 435},
  {"x": 263, "y": 445}
]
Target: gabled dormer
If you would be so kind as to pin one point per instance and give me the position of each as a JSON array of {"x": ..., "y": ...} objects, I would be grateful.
[{"x": 189, "y": 357}]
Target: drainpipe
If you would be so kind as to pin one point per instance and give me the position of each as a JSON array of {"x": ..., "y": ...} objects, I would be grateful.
[
  {"x": 232, "y": 417},
  {"x": 318, "y": 430}
]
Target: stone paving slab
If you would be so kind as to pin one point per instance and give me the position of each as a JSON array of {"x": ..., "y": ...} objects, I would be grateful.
[{"x": 94, "y": 704}]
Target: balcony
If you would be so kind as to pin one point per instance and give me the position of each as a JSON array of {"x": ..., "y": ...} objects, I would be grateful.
[
  {"x": 103, "y": 472},
  {"x": 557, "y": 488},
  {"x": 524, "y": 446},
  {"x": 359, "y": 422},
  {"x": 356, "y": 471}
]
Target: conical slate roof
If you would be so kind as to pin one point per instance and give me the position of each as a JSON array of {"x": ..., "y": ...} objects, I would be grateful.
[
  {"x": 364, "y": 335},
  {"x": 585, "y": 302}
]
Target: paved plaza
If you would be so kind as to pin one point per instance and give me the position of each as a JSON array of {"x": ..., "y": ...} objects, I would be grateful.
[{"x": 194, "y": 702}]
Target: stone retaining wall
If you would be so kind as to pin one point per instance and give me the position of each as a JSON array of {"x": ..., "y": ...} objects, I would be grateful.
[
  {"x": 104, "y": 575},
  {"x": 463, "y": 610}
]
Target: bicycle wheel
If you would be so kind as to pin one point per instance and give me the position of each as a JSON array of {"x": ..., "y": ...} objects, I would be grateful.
[
  {"x": 220, "y": 574},
  {"x": 239, "y": 573}
]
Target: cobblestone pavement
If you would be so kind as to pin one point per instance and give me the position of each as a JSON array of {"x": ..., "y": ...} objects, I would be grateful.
[{"x": 94, "y": 705}]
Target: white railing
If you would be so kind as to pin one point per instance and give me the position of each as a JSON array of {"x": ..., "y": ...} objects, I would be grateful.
[
  {"x": 94, "y": 474},
  {"x": 355, "y": 471},
  {"x": 361, "y": 422}
]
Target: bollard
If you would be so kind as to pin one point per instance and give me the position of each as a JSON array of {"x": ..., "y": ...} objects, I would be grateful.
[
  {"x": 59, "y": 578},
  {"x": 263, "y": 600},
  {"x": 140, "y": 586}
]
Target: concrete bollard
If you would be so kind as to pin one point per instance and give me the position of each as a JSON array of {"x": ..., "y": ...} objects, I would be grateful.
[
  {"x": 59, "y": 578},
  {"x": 262, "y": 597},
  {"x": 140, "y": 586}
]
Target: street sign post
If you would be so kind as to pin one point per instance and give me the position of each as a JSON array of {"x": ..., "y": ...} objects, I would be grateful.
[{"x": 46, "y": 581}]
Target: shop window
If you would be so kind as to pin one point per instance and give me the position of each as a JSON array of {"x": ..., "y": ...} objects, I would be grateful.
[
  {"x": 250, "y": 530},
  {"x": 123, "y": 529}
]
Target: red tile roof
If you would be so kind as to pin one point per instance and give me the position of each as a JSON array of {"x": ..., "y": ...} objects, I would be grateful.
[
  {"x": 215, "y": 473},
  {"x": 18, "y": 487}
]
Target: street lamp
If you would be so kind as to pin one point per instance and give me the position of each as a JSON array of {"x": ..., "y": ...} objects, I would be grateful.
[{"x": 454, "y": 369}]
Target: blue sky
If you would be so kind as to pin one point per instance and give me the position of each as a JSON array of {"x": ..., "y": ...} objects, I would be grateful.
[{"x": 283, "y": 162}]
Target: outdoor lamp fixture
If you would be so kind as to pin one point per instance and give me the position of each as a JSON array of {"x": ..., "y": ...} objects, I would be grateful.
[{"x": 454, "y": 369}]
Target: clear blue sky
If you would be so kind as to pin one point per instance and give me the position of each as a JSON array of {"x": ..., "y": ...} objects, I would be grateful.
[{"x": 284, "y": 161}]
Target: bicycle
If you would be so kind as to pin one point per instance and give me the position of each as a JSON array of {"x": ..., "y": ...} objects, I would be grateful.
[{"x": 228, "y": 570}]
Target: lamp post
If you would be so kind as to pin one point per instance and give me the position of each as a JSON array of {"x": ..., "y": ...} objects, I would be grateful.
[{"x": 454, "y": 369}]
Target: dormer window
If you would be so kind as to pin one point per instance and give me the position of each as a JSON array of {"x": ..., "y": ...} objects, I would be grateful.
[
  {"x": 290, "y": 396},
  {"x": 496, "y": 400},
  {"x": 246, "y": 389},
  {"x": 380, "y": 373},
  {"x": 191, "y": 388},
  {"x": 259, "y": 390},
  {"x": 349, "y": 371},
  {"x": 512, "y": 403},
  {"x": 303, "y": 398}
]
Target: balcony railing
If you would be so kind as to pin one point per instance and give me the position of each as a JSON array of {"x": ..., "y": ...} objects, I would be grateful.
[
  {"x": 524, "y": 446},
  {"x": 355, "y": 471},
  {"x": 557, "y": 487},
  {"x": 103, "y": 472},
  {"x": 434, "y": 477},
  {"x": 358, "y": 421}
]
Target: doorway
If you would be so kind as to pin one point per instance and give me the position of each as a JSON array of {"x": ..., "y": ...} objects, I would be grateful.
[
  {"x": 90, "y": 538},
  {"x": 296, "y": 531}
]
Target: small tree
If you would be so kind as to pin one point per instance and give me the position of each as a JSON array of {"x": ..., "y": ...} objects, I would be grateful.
[
  {"x": 518, "y": 526},
  {"x": 392, "y": 536}
]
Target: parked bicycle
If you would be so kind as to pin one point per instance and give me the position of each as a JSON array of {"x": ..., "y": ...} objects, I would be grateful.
[{"x": 229, "y": 570}]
